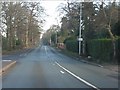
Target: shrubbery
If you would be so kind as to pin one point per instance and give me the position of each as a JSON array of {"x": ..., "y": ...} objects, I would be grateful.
[
  {"x": 72, "y": 45},
  {"x": 4, "y": 43},
  {"x": 99, "y": 49},
  {"x": 118, "y": 49},
  {"x": 102, "y": 49}
]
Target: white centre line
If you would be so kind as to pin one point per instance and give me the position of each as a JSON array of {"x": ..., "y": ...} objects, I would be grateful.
[{"x": 79, "y": 78}]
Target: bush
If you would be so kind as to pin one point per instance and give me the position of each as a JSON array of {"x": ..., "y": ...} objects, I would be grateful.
[
  {"x": 102, "y": 49},
  {"x": 4, "y": 43},
  {"x": 18, "y": 42},
  {"x": 69, "y": 39},
  {"x": 118, "y": 49},
  {"x": 72, "y": 45}
]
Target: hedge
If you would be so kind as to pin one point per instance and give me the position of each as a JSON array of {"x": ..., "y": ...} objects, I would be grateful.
[
  {"x": 102, "y": 49},
  {"x": 118, "y": 49},
  {"x": 72, "y": 45},
  {"x": 99, "y": 49}
]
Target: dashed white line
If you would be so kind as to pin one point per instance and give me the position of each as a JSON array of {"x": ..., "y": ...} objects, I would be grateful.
[
  {"x": 62, "y": 72},
  {"x": 77, "y": 77}
]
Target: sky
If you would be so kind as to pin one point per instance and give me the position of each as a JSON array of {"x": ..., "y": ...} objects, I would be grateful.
[{"x": 51, "y": 10}]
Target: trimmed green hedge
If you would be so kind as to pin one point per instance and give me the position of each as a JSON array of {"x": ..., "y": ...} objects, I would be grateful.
[
  {"x": 102, "y": 49},
  {"x": 118, "y": 49},
  {"x": 72, "y": 45}
]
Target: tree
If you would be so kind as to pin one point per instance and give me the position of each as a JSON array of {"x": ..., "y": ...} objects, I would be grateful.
[
  {"x": 98, "y": 20},
  {"x": 70, "y": 20},
  {"x": 22, "y": 23},
  {"x": 106, "y": 18}
]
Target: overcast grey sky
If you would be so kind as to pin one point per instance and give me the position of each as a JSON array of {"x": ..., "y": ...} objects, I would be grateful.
[{"x": 51, "y": 10}]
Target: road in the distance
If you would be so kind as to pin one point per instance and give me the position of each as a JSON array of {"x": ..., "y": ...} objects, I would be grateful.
[{"x": 44, "y": 67}]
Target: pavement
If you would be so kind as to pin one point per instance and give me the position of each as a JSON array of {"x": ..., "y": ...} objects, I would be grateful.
[
  {"x": 45, "y": 67},
  {"x": 9, "y": 60},
  {"x": 113, "y": 67},
  {"x": 6, "y": 64}
]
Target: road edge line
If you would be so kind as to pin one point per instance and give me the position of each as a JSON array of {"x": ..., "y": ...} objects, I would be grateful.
[{"x": 77, "y": 77}]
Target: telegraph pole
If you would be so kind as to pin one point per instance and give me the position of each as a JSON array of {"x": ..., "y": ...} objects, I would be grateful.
[
  {"x": 79, "y": 37},
  {"x": 0, "y": 46}
]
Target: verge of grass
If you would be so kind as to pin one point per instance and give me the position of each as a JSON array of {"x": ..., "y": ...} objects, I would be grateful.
[{"x": 76, "y": 56}]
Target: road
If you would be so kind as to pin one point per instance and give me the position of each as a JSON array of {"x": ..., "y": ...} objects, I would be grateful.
[{"x": 44, "y": 67}]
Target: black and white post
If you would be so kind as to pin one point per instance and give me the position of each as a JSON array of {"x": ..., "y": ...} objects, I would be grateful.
[{"x": 79, "y": 37}]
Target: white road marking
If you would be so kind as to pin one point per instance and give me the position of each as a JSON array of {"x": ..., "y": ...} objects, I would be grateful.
[
  {"x": 100, "y": 66},
  {"x": 77, "y": 77},
  {"x": 6, "y": 60},
  {"x": 62, "y": 72}
]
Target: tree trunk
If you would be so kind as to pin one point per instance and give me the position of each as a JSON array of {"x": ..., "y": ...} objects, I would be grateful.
[
  {"x": 113, "y": 43},
  {"x": 26, "y": 39}
]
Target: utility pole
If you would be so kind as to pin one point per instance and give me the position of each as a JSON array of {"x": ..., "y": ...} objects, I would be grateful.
[
  {"x": 56, "y": 38},
  {"x": 79, "y": 37},
  {"x": 0, "y": 45}
]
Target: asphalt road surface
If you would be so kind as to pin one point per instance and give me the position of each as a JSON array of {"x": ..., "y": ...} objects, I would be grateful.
[{"x": 44, "y": 67}]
